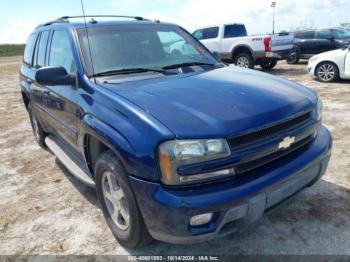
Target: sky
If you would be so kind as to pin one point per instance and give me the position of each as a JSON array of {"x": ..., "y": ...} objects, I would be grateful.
[{"x": 19, "y": 17}]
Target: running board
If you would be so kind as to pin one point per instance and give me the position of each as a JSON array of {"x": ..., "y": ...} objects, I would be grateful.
[{"x": 71, "y": 162}]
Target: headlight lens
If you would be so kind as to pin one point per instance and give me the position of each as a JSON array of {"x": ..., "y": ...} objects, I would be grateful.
[
  {"x": 176, "y": 153},
  {"x": 313, "y": 58},
  {"x": 319, "y": 108}
]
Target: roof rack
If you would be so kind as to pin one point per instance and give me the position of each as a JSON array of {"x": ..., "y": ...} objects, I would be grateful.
[{"x": 65, "y": 19}]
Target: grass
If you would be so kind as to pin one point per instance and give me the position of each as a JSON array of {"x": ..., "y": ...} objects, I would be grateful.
[{"x": 11, "y": 50}]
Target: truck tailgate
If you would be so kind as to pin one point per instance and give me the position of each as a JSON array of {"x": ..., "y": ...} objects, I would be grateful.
[{"x": 281, "y": 42}]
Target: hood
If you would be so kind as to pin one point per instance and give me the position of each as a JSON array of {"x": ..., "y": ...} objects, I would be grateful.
[
  {"x": 333, "y": 54},
  {"x": 217, "y": 103}
]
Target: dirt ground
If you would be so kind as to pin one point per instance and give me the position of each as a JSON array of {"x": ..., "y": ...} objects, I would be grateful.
[{"x": 44, "y": 210}]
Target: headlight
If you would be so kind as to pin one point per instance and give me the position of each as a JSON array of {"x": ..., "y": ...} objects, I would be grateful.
[
  {"x": 319, "y": 107},
  {"x": 313, "y": 58},
  {"x": 176, "y": 153}
]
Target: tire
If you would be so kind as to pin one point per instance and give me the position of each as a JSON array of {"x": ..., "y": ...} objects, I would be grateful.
[
  {"x": 293, "y": 59},
  {"x": 38, "y": 132},
  {"x": 327, "y": 72},
  {"x": 268, "y": 64},
  {"x": 120, "y": 208},
  {"x": 244, "y": 60}
]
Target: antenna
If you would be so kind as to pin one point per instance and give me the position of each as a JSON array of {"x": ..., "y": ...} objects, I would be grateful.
[{"x": 88, "y": 41}]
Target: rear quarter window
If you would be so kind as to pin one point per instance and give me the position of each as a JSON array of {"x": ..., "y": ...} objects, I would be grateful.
[
  {"x": 234, "y": 31},
  {"x": 28, "y": 51}
]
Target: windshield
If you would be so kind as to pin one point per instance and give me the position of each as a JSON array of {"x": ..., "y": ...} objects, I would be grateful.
[
  {"x": 154, "y": 46},
  {"x": 341, "y": 33}
]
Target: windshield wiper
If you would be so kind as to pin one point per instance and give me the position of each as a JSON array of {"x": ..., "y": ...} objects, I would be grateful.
[
  {"x": 187, "y": 64},
  {"x": 128, "y": 71}
]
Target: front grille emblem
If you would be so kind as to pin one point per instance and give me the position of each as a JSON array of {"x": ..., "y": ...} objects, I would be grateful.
[{"x": 287, "y": 142}]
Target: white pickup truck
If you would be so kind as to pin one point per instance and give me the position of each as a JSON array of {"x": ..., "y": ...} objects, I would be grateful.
[{"x": 233, "y": 45}]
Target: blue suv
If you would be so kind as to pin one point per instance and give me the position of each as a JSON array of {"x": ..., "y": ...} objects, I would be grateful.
[{"x": 180, "y": 147}]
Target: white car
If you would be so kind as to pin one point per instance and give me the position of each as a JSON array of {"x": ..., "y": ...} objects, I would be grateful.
[{"x": 330, "y": 66}]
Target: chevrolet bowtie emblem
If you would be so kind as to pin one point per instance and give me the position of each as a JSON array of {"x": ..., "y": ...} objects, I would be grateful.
[{"x": 287, "y": 141}]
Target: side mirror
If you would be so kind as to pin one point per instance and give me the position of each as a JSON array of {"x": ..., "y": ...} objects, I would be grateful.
[
  {"x": 54, "y": 75},
  {"x": 330, "y": 38},
  {"x": 217, "y": 55}
]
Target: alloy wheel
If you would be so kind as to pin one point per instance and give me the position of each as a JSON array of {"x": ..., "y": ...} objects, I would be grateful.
[
  {"x": 242, "y": 62},
  {"x": 326, "y": 72},
  {"x": 115, "y": 201}
]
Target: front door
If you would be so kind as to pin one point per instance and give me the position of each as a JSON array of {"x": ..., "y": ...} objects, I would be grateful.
[
  {"x": 347, "y": 64},
  {"x": 62, "y": 103}
]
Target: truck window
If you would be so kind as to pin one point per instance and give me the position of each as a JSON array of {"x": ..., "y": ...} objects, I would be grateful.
[
  {"x": 198, "y": 34},
  {"x": 210, "y": 33},
  {"x": 28, "y": 52},
  {"x": 308, "y": 35},
  {"x": 42, "y": 49},
  {"x": 234, "y": 31},
  {"x": 60, "y": 51}
]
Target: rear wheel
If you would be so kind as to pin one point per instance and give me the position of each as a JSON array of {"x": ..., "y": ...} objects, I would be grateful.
[
  {"x": 293, "y": 58},
  {"x": 244, "y": 60},
  {"x": 268, "y": 64},
  {"x": 327, "y": 72},
  {"x": 38, "y": 132},
  {"x": 118, "y": 202}
]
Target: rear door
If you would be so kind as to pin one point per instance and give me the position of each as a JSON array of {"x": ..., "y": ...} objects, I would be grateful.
[
  {"x": 62, "y": 106},
  {"x": 308, "y": 44},
  {"x": 231, "y": 34},
  {"x": 40, "y": 93},
  {"x": 209, "y": 37},
  {"x": 325, "y": 40}
]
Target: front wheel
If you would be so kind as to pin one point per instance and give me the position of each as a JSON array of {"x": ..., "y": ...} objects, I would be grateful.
[
  {"x": 327, "y": 72},
  {"x": 118, "y": 202},
  {"x": 268, "y": 64},
  {"x": 244, "y": 60}
]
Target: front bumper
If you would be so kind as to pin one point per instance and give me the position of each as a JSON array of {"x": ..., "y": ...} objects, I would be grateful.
[{"x": 167, "y": 211}]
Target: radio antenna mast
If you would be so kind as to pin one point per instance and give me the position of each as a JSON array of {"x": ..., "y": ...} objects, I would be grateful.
[{"x": 88, "y": 41}]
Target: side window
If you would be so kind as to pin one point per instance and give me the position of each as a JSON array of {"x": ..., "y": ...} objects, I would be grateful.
[
  {"x": 198, "y": 34},
  {"x": 298, "y": 35},
  {"x": 28, "y": 52},
  {"x": 210, "y": 33},
  {"x": 61, "y": 52},
  {"x": 308, "y": 35},
  {"x": 42, "y": 49},
  {"x": 234, "y": 31},
  {"x": 325, "y": 34}
]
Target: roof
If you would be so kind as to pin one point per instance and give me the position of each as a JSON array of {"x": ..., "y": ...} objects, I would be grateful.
[{"x": 92, "y": 20}]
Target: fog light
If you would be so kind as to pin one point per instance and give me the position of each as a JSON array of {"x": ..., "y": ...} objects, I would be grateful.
[{"x": 202, "y": 219}]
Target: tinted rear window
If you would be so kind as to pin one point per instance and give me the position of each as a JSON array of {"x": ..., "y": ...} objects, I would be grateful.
[
  {"x": 28, "y": 52},
  {"x": 234, "y": 31}
]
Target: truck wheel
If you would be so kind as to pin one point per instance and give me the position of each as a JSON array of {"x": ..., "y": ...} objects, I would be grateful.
[
  {"x": 118, "y": 202},
  {"x": 38, "y": 132},
  {"x": 268, "y": 64},
  {"x": 293, "y": 58},
  {"x": 244, "y": 60},
  {"x": 327, "y": 72}
]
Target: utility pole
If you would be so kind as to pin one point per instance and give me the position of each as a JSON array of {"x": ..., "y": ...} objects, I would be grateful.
[{"x": 273, "y": 5}]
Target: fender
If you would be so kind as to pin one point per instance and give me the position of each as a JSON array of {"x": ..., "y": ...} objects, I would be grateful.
[
  {"x": 244, "y": 46},
  {"x": 110, "y": 137}
]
